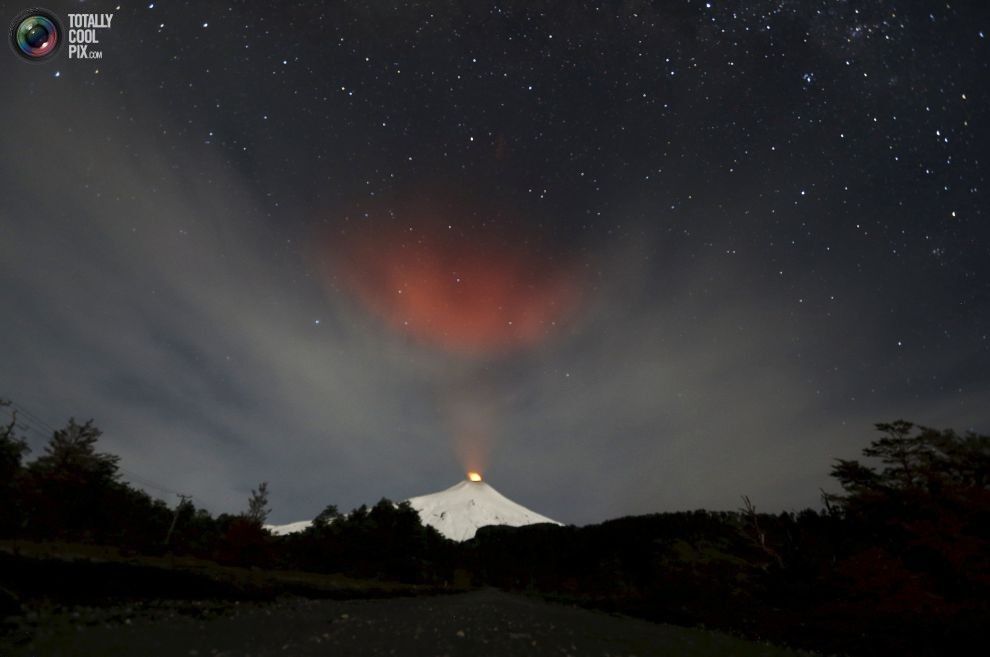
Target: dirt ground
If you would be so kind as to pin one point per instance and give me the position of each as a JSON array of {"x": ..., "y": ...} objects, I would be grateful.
[{"x": 481, "y": 623}]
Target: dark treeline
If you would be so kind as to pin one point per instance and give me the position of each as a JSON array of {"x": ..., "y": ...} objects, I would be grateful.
[
  {"x": 897, "y": 564},
  {"x": 74, "y": 493}
]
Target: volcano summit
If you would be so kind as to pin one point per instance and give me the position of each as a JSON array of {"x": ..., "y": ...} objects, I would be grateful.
[{"x": 459, "y": 511}]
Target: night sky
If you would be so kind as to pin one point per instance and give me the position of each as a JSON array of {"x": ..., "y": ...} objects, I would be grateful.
[{"x": 622, "y": 257}]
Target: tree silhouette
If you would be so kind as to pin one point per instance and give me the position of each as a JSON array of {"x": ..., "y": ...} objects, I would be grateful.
[
  {"x": 921, "y": 467},
  {"x": 71, "y": 454},
  {"x": 12, "y": 449},
  {"x": 925, "y": 507},
  {"x": 258, "y": 505},
  {"x": 327, "y": 516},
  {"x": 72, "y": 490}
]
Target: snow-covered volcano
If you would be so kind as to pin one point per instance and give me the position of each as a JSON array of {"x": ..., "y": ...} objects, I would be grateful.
[
  {"x": 458, "y": 512},
  {"x": 462, "y": 509}
]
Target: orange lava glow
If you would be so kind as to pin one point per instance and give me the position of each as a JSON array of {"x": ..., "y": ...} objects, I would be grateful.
[
  {"x": 474, "y": 476},
  {"x": 468, "y": 288}
]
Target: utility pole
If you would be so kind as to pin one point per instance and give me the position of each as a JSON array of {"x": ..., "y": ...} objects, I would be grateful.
[{"x": 175, "y": 516}]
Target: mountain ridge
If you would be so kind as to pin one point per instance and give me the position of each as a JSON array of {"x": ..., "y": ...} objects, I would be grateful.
[{"x": 457, "y": 512}]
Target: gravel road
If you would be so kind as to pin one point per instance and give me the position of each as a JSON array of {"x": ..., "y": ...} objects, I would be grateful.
[{"x": 484, "y": 623}]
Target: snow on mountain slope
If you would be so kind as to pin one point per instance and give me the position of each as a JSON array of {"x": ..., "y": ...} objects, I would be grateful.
[
  {"x": 457, "y": 512},
  {"x": 462, "y": 509},
  {"x": 291, "y": 528}
]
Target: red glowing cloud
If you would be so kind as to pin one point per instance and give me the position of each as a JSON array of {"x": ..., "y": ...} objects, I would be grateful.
[{"x": 467, "y": 288}]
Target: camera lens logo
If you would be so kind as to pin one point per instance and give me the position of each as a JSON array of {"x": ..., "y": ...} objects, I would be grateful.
[{"x": 36, "y": 34}]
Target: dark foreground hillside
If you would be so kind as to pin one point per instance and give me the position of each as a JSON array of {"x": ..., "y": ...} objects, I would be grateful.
[
  {"x": 897, "y": 563},
  {"x": 488, "y": 623}
]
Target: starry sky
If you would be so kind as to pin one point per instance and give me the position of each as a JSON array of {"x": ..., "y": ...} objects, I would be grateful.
[{"x": 623, "y": 257}]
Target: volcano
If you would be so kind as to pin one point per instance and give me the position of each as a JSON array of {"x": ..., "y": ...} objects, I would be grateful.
[{"x": 459, "y": 511}]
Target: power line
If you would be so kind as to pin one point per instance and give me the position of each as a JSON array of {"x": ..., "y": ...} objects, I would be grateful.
[
  {"x": 34, "y": 435},
  {"x": 24, "y": 422},
  {"x": 31, "y": 415}
]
